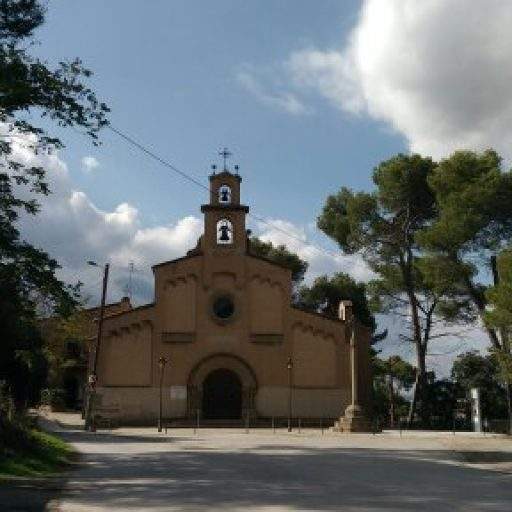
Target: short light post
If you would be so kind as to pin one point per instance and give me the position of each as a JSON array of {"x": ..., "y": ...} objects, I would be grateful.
[
  {"x": 162, "y": 361},
  {"x": 289, "y": 367}
]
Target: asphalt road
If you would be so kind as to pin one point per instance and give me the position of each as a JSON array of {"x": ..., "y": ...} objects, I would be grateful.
[{"x": 234, "y": 471}]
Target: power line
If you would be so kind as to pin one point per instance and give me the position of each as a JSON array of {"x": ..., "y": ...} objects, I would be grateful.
[
  {"x": 153, "y": 155},
  {"x": 196, "y": 182}
]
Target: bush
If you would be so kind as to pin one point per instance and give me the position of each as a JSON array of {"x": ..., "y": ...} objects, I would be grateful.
[{"x": 13, "y": 435}]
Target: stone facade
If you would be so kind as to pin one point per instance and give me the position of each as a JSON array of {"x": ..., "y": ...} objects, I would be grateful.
[{"x": 224, "y": 321}]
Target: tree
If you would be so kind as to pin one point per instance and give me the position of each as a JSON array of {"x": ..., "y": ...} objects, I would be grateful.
[
  {"x": 326, "y": 293},
  {"x": 474, "y": 223},
  {"x": 382, "y": 226},
  {"x": 473, "y": 370},
  {"x": 65, "y": 344},
  {"x": 499, "y": 318},
  {"x": 280, "y": 255},
  {"x": 393, "y": 375},
  {"x": 29, "y": 89},
  {"x": 442, "y": 395}
]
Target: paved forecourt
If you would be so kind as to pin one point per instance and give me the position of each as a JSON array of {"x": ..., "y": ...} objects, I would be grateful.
[{"x": 231, "y": 470}]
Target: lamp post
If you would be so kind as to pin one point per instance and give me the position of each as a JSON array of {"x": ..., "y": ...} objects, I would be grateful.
[
  {"x": 289, "y": 367},
  {"x": 93, "y": 376},
  {"x": 162, "y": 361}
]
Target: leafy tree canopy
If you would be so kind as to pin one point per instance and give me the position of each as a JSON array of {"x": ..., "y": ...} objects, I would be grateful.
[
  {"x": 473, "y": 370},
  {"x": 326, "y": 293},
  {"x": 396, "y": 368},
  {"x": 499, "y": 315},
  {"x": 280, "y": 255},
  {"x": 474, "y": 222},
  {"x": 30, "y": 89},
  {"x": 390, "y": 377}
]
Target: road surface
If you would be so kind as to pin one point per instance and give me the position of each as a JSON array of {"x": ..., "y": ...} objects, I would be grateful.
[{"x": 223, "y": 470}]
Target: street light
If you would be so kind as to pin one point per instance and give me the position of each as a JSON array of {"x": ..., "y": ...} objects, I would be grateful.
[
  {"x": 289, "y": 367},
  {"x": 162, "y": 361},
  {"x": 93, "y": 376}
]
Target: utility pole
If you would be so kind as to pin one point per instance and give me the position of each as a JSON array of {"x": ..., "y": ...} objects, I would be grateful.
[{"x": 93, "y": 375}]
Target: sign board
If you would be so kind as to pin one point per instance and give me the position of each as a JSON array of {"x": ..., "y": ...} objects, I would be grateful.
[
  {"x": 476, "y": 412},
  {"x": 179, "y": 392}
]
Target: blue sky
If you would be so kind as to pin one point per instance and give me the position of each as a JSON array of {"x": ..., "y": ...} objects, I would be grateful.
[
  {"x": 169, "y": 72},
  {"x": 309, "y": 96}
]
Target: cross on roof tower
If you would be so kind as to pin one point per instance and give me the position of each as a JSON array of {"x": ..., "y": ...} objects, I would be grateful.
[{"x": 225, "y": 154}]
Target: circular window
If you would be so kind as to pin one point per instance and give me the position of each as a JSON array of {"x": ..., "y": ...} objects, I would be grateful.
[{"x": 223, "y": 307}]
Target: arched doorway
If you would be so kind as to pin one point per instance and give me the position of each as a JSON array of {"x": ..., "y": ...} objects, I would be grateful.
[
  {"x": 204, "y": 379},
  {"x": 222, "y": 395}
]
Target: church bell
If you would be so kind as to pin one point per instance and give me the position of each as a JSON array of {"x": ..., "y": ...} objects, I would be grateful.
[
  {"x": 224, "y": 195},
  {"x": 224, "y": 233}
]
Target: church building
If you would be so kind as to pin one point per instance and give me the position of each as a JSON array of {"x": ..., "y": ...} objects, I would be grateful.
[{"x": 223, "y": 340}]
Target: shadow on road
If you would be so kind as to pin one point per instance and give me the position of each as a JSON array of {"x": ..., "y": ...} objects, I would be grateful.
[
  {"x": 28, "y": 497},
  {"x": 78, "y": 437},
  {"x": 292, "y": 477}
]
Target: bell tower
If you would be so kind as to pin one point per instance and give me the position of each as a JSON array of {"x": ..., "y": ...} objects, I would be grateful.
[{"x": 224, "y": 216}]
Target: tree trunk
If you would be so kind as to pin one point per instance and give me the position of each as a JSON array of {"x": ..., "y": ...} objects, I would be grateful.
[
  {"x": 391, "y": 403},
  {"x": 412, "y": 406},
  {"x": 418, "y": 402},
  {"x": 509, "y": 405}
]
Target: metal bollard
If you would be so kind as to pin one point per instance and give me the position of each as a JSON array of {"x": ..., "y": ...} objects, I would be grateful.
[
  {"x": 299, "y": 425},
  {"x": 273, "y": 425},
  {"x": 322, "y": 426}
]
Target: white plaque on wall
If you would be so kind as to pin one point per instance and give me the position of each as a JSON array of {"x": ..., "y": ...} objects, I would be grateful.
[{"x": 179, "y": 392}]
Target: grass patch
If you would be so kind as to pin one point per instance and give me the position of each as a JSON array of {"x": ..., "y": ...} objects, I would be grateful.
[{"x": 41, "y": 454}]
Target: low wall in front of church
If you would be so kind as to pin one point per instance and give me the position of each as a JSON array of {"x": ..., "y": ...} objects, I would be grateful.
[
  {"x": 140, "y": 405},
  {"x": 306, "y": 403}
]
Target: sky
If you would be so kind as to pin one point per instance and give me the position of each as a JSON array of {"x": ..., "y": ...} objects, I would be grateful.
[{"x": 308, "y": 96}]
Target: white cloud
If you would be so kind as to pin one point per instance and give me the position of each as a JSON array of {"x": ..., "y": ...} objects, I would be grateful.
[
  {"x": 321, "y": 261},
  {"x": 74, "y": 230},
  {"x": 89, "y": 163},
  {"x": 281, "y": 100},
  {"x": 327, "y": 72},
  {"x": 438, "y": 71}
]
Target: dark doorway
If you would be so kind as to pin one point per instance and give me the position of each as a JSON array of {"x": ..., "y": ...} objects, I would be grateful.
[
  {"x": 71, "y": 391},
  {"x": 222, "y": 396}
]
